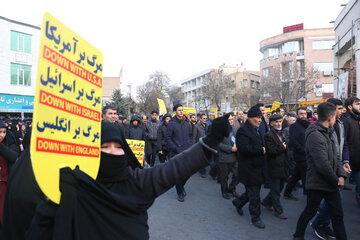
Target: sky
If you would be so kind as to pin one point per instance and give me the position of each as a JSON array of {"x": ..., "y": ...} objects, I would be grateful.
[{"x": 180, "y": 38}]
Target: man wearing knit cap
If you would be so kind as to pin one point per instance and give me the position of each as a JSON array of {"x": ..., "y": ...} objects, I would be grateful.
[{"x": 250, "y": 154}]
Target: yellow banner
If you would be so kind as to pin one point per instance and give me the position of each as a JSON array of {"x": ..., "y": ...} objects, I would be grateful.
[
  {"x": 215, "y": 110},
  {"x": 67, "y": 109},
  {"x": 138, "y": 148},
  {"x": 307, "y": 103},
  {"x": 188, "y": 111},
  {"x": 162, "y": 106},
  {"x": 268, "y": 110},
  {"x": 275, "y": 105}
]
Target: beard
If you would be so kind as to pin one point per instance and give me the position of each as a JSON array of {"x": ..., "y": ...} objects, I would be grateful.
[{"x": 277, "y": 128}]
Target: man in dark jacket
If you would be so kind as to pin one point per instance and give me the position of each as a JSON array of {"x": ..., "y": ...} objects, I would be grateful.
[
  {"x": 278, "y": 159},
  {"x": 324, "y": 174},
  {"x": 135, "y": 130},
  {"x": 199, "y": 130},
  {"x": 228, "y": 163},
  {"x": 297, "y": 143},
  {"x": 178, "y": 138},
  {"x": 251, "y": 152},
  {"x": 322, "y": 220},
  {"x": 151, "y": 128},
  {"x": 352, "y": 132},
  {"x": 162, "y": 146}
]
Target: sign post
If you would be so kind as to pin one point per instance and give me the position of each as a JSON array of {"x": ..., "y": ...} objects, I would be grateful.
[{"x": 67, "y": 121}]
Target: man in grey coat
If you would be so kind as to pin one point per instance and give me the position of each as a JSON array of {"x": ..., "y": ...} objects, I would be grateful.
[
  {"x": 324, "y": 174},
  {"x": 199, "y": 130},
  {"x": 151, "y": 127}
]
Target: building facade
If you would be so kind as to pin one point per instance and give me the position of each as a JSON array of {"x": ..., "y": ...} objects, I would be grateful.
[
  {"x": 109, "y": 85},
  {"x": 228, "y": 88},
  {"x": 297, "y": 65},
  {"x": 19, "y": 49},
  {"x": 347, "y": 51}
]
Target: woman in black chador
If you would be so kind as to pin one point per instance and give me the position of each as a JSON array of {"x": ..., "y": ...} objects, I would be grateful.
[{"x": 112, "y": 207}]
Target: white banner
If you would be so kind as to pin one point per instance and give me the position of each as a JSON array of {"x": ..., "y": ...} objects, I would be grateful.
[{"x": 343, "y": 85}]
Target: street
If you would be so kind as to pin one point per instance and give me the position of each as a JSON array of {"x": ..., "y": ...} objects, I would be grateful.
[{"x": 206, "y": 215}]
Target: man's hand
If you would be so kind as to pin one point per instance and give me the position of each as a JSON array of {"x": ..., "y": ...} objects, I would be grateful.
[
  {"x": 284, "y": 144},
  {"x": 160, "y": 152},
  {"x": 347, "y": 168},
  {"x": 234, "y": 149},
  {"x": 264, "y": 149},
  {"x": 341, "y": 182}
]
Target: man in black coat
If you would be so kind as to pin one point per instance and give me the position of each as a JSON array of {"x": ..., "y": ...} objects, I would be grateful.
[
  {"x": 297, "y": 143},
  {"x": 278, "y": 160},
  {"x": 250, "y": 154},
  {"x": 163, "y": 149},
  {"x": 324, "y": 174},
  {"x": 135, "y": 130},
  {"x": 351, "y": 121}
]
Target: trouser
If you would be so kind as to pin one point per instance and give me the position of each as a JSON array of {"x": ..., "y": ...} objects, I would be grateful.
[
  {"x": 151, "y": 152},
  {"x": 273, "y": 197},
  {"x": 266, "y": 172},
  {"x": 164, "y": 156},
  {"x": 180, "y": 186},
  {"x": 214, "y": 167},
  {"x": 224, "y": 170},
  {"x": 333, "y": 200},
  {"x": 300, "y": 173},
  {"x": 356, "y": 176},
  {"x": 251, "y": 195},
  {"x": 323, "y": 217}
]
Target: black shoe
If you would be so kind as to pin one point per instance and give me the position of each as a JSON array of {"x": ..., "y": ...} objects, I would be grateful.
[
  {"x": 259, "y": 224},
  {"x": 184, "y": 193},
  {"x": 204, "y": 175},
  {"x": 238, "y": 209},
  {"x": 267, "y": 206},
  {"x": 180, "y": 198},
  {"x": 234, "y": 194},
  {"x": 226, "y": 195},
  {"x": 290, "y": 197},
  {"x": 319, "y": 231},
  {"x": 267, "y": 186}
]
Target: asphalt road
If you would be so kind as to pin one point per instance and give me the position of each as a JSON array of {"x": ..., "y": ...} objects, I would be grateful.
[{"x": 206, "y": 215}]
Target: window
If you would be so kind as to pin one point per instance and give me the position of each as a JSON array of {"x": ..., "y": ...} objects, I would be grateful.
[
  {"x": 20, "y": 74},
  {"x": 257, "y": 85},
  {"x": 301, "y": 69},
  {"x": 323, "y": 66},
  {"x": 245, "y": 83},
  {"x": 324, "y": 44},
  {"x": 20, "y": 42},
  {"x": 252, "y": 84},
  {"x": 292, "y": 46},
  {"x": 267, "y": 72}
]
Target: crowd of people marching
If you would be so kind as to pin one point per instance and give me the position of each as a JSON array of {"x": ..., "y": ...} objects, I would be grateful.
[{"x": 314, "y": 151}]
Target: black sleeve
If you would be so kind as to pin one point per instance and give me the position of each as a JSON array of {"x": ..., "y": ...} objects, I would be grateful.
[
  {"x": 158, "y": 179},
  {"x": 246, "y": 147}
]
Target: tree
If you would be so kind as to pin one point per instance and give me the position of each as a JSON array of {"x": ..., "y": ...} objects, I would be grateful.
[
  {"x": 216, "y": 86},
  {"x": 175, "y": 94},
  {"x": 120, "y": 102},
  {"x": 288, "y": 84},
  {"x": 148, "y": 93}
]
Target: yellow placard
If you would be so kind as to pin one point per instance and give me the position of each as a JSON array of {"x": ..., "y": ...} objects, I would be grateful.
[
  {"x": 215, "y": 110},
  {"x": 138, "y": 148},
  {"x": 162, "y": 106},
  {"x": 275, "y": 105},
  {"x": 268, "y": 110},
  {"x": 308, "y": 103},
  {"x": 188, "y": 111},
  {"x": 67, "y": 109}
]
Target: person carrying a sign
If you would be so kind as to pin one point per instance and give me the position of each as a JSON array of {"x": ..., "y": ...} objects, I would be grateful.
[
  {"x": 114, "y": 206},
  {"x": 9, "y": 151}
]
